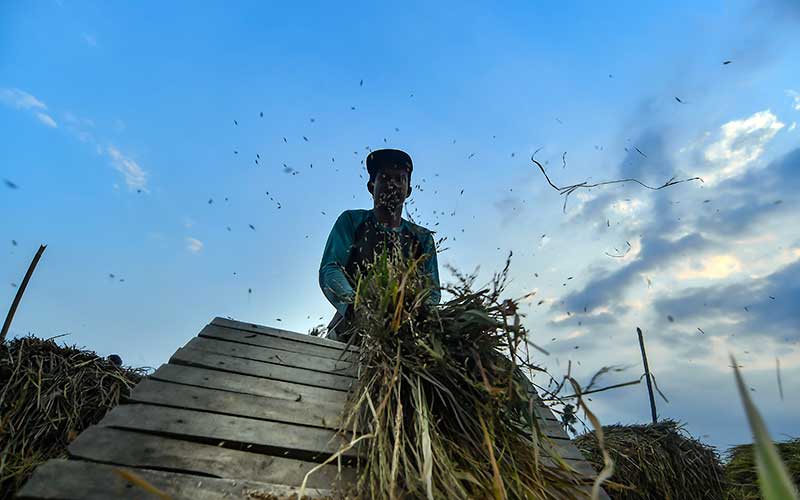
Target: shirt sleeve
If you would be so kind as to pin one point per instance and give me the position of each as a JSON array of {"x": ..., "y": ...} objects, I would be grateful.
[
  {"x": 431, "y": 267},
  {"x": 332, "y": 280}
]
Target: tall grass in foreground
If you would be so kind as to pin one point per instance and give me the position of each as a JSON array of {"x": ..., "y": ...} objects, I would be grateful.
[
  {"x": 442, "y": 406},
  {"x": 772, "y": 474},
  {"x": 741, "y": 471}
]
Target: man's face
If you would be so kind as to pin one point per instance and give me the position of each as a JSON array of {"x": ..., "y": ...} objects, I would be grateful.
[{"x": 390, "y": 188}]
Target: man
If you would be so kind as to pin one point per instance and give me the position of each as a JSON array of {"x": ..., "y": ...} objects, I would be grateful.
[{"x": 358, "y": 235}]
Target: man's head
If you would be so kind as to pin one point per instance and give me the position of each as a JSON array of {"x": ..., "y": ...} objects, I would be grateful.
[{"x": 389, "y": 177}]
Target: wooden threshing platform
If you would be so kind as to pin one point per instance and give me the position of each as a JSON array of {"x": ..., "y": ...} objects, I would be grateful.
[{"x": 241, "y": 411}]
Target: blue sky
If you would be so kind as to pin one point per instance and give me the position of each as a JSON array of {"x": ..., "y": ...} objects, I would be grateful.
[{"x": 118, "y": 127}]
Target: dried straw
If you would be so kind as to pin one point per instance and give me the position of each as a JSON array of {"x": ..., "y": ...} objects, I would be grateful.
[
  {"x": 656, "y": 461},
  {"x": 741, "y": 476},
  {"x": 447, "y": 409},
  {"x": 49, "y": 394}
]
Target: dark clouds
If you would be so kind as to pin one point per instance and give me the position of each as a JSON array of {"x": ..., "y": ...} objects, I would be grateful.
[
  {"x": 747, "y": 201},
  {"x": 590, "y": 320},
  {"x": 780, "y": 177},
  {"x": 739, "y": 207},
  {"x": 607, "y": 288},
  {"x": 777, "y": 318}
]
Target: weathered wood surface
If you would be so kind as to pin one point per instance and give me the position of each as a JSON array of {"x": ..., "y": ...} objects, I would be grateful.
[
  {"x": 78, "y": 480},
  {"x": 278, "y": 438},
  {"x": 205, "y": 359},
  {"x": 281, "y": 343},
  {"x": 134, "y": 449},
  {"x": 275, "y": 438},
  {"x": 294, "y": 411},
  {"x": 276, "y": 332},
  {"x": 245, "y": 384},
  {"x": 273, "y": 356},
  {"x": 240, "y": 402}
]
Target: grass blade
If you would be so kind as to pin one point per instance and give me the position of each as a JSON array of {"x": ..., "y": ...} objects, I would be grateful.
[{"x": 772, "y": 474}]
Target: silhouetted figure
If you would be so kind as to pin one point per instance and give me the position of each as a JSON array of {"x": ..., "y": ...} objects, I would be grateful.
[{"x": 358, "y": 235}]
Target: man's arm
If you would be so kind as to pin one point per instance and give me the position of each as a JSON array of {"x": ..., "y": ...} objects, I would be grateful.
[
  {"x": 332, "y": 280},
  {"x": 431, "y": 268}
]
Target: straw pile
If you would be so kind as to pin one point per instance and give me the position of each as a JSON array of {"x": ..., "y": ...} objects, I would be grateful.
[
  {"x": 441, "y": 410},
  {"x": 48, "y": 394},
  {"x": 657, "y": 461},
  {"x": 740, "y": 470}
]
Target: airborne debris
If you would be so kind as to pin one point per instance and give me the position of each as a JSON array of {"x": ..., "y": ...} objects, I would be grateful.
[{"x": 567, "y": 190}]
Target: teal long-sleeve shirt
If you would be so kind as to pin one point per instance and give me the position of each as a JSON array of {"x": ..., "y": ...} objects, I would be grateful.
[{"x": 332, "y": 279}]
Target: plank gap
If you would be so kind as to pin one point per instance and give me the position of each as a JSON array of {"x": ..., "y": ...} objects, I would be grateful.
[{"x": 260, "y": 449}]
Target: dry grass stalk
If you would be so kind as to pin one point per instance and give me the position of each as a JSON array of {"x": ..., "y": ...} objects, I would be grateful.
[
  {"x": 448, "y": 410},
  {"x": 49, "y": 394},
  {"x": 656, "y": 461},
  {"x": 741, "y": 476}
]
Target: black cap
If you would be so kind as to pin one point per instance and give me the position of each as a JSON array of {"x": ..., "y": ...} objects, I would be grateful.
[{"x": 384, "y": 158}]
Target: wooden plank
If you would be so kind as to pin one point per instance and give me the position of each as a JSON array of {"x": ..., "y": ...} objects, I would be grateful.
[
  {"x": 122, "y": 447},
  {"x": 552, "y": 429},
  {"x": 218, "y": 343},
  {"x": 563, "y": 447},
  {"x": 79, "y": 480},
  {"x": 134, "y": 449},
  {"x": 543, "y": 411},
  {"x": 245, "y": 405},
  {"x": 205, "y": 359},
  {"x": 245, "y": 384},
  {"x": 277, "y": 438},
  {"x": 242, "y": 405},
  {"x": 279, "y": 333},
  {"x": 274, "y": 438},
  {"x": 281, "y": 344}
]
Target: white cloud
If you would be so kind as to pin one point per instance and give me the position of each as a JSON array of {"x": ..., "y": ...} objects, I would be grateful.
[
  {"x": 795, "y": 95},
  {"x": 741, "y": 143},
  {"x": 79, "y": 127},
  {"x": 46, "y": 119},
  {"x": 712, "y": 267},
  {"x": 74, "y": 120},
  {"x": 135, "y": 176},
  {"x": 19, "y": 99},
  {"x": 194, "y": 245},
  {"x": 792, "y": 126}
]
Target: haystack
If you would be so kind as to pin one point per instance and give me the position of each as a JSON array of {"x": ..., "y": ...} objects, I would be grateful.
[
  {"x": 657, "y": 461},
  {"x": 740, "y": 469},
  {"x": 48, "y": 394},
  {"x": 443, "y": 409}
]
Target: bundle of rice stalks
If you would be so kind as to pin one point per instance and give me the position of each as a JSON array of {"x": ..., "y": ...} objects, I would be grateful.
[
  {"x": 656, "y": 461},
  {"x": 48, "y": 394},
  {"x": 442, "y": 409},
  {"x": 741, "y": 476}
]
